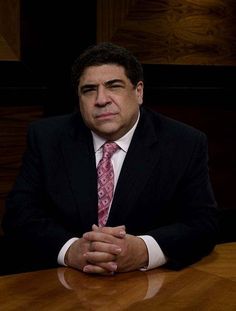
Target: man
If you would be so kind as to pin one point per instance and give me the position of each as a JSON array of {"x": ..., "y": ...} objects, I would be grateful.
[{"x": 154, "y": 206}]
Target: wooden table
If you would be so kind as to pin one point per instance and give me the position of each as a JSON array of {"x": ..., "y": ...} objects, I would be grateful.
[{"x": 207, "y": 285}]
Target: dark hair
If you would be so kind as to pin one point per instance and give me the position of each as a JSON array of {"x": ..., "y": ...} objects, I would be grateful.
[{"x": 107, "y": 53}]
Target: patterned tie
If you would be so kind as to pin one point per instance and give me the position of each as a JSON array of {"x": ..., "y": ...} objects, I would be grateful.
[{"x": 105, "y": 175}]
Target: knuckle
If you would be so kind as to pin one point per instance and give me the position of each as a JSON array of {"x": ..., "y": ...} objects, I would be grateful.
[{"x": 96, "y": 246}]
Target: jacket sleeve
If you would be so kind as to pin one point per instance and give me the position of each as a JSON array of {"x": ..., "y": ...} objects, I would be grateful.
[{"x": 194, "y": 235}]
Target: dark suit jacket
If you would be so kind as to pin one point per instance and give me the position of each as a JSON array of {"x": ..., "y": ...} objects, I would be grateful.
[{"x": 163, "y": 189}]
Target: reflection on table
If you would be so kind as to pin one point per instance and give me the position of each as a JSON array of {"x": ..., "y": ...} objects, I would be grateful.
[{"x": 207, "y": 285}]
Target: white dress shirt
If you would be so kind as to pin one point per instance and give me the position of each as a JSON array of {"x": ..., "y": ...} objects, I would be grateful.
[{"x": 156, "y": 256}]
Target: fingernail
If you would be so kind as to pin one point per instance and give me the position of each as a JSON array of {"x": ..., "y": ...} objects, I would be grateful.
[
  {"x": 114, "y": 266},
  {"x": 118, "y": 250},
  {"x": 94, "y": 227}
]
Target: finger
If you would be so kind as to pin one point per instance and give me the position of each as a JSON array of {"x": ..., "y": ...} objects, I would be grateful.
[
  {"x": 100, "y": 237},
  {"x": 118, "y": 231},
  {"x": 103, "y": 268},
  {"x": 97, "y": 257},
  {"x": 94, "y": 269},
  {"x": 108, "y": 266},
  {"x": 105, "y": 247}
]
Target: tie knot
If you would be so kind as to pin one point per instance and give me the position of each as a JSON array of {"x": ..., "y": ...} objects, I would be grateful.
[{"x": 109, "y": 149}]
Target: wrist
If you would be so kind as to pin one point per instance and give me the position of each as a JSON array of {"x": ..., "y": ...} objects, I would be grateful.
[{"x": 143, "y": 253}]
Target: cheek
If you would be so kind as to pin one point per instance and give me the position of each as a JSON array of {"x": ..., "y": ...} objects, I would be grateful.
[
  {"x": 86, "y": 114},
  {"x": 130, "y": 108},
  {"x": 85, "y": 109}
]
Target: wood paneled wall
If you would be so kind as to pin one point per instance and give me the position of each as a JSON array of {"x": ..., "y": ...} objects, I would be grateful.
[
  {"x": 13, "y": 126},
  {"x": 171, "y": 32},
  {"x": 9, "y": 29}
]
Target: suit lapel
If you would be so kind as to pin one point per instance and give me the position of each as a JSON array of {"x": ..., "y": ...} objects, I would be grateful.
[
  {"x": 78, "y": 152},
  {"x": 141, "y": 158}
]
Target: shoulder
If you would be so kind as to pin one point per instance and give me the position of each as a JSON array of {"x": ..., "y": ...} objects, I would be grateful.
[
  {"x": 55, "y": 129},
  {"x": 172, "y": 129},
  {"x": 50, "y": 124},
  {"x": 178, "y": 142},
  {"x": 69, "y": 123}
]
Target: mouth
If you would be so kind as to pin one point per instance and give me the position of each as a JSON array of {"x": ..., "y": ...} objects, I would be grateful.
[{"x": 106, "y": 116}]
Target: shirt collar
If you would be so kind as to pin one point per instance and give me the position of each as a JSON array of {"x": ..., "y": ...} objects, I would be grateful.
[{"x": 122, "y": 142}]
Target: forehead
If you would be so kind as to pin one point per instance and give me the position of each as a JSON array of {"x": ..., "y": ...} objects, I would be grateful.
[{"x": 102, "y": 73}]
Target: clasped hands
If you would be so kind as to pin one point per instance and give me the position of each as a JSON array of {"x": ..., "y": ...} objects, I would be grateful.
[{"x": 106, "y": 250}]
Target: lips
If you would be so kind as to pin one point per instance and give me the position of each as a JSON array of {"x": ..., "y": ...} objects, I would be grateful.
[{"x": 106, "y": 115}]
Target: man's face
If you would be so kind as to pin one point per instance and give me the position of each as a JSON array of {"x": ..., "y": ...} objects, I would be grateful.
[{"x": 109, "y": 103}]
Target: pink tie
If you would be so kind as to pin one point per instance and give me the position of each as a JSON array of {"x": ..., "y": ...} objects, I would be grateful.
[{"x": 105, "y": 175}]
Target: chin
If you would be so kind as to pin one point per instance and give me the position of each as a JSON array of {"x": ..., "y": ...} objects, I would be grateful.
[
  {"x": 110, "y": 134},
  {"x": 107, "y": 129}
]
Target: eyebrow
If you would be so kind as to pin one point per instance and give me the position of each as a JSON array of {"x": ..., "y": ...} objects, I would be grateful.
[{"x": 107, "y": 83}]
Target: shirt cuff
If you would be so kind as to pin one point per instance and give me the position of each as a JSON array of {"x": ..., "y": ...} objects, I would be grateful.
[
  {"x": 62, "y": 253},
  {"x": 156, "y": 257}
]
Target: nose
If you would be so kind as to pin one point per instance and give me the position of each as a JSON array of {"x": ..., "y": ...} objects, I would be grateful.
[{"x": 102, "y": 96}]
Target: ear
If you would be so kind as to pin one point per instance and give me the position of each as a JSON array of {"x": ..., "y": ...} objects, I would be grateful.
[{"x": 139, "y": 92}]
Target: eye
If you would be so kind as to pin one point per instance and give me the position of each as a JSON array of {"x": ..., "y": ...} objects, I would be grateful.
[
  {"x": 116, "y": 86},
  {"x": 88, "y": 90}
]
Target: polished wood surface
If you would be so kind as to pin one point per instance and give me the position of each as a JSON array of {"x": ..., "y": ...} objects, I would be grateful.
[
  {"x": 171, "y": 32},
  {"x": 222, "y": 262},
  {"x": 10, "y": 30},
  {"x": 207, "y": 285}
]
